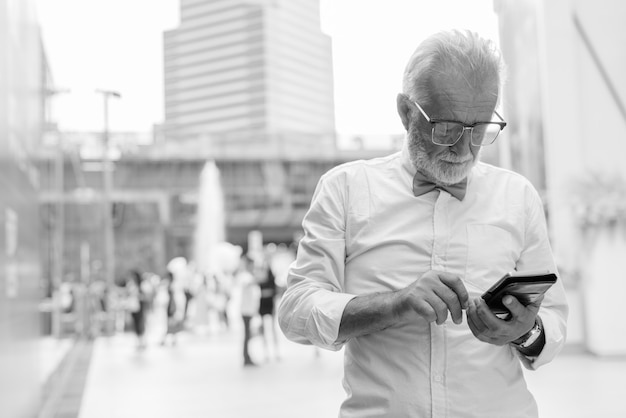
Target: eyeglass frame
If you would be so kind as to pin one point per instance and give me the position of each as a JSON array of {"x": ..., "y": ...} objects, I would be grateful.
[{"x": 471, "y": 127}]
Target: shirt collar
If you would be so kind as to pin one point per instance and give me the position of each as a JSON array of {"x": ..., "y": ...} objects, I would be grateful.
[{"x": 407, "y": 165}]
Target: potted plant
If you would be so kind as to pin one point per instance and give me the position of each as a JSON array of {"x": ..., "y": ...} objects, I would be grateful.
[{"x": 599, "y": 204}]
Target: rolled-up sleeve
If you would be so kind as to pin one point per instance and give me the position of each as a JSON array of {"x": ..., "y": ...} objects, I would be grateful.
[
  {"x": 312, "y": 306},
  {"x": 554, "y": 308}
]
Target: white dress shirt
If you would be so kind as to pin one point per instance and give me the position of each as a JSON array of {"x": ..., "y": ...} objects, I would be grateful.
[{"x": 365, "y": 232}]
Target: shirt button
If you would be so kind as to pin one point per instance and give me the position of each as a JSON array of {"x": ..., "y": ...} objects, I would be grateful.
[{"x": 438, "y": 378}]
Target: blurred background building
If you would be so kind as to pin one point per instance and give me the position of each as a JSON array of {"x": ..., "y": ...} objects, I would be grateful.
[
  {"x": 249, "y": 85},
  {"x": 249, "y": 75},
  {"x": 155, "y": 197}
]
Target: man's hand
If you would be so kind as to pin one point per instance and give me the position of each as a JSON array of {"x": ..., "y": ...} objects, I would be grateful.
[
  {"x": 431, "y": 296},
  {"x": 487, "y": 327},
  {"x": 435, "y": 294}
]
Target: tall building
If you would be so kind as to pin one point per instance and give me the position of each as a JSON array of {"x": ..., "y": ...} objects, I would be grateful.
[
  {"x": 249, "y": 73},
  {"x": 22, "y": 86}
]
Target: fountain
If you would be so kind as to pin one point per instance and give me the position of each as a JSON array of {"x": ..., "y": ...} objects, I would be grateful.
[
  {"x": 213, "y": 257},
  {"x": 210, "y": 229}
]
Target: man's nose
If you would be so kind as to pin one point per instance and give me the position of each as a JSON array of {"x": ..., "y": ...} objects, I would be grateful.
[{"x": 462, "y": 147}]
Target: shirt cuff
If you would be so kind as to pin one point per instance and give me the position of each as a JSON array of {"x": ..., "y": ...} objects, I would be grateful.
[
  {"x": 323, "y": 323},
  {"x": 555, "y": 339}
]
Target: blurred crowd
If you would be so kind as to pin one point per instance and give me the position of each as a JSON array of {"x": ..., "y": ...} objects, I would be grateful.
[{"x": 238, "y": 294}]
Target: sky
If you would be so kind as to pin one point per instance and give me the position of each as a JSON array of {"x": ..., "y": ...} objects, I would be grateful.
[{"x": 117, "y": 45}]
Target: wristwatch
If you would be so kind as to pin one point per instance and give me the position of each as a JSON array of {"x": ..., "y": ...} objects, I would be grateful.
[{"x": 531, "y": 336}]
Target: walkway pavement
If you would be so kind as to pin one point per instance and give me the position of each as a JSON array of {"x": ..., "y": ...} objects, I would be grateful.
[{"x": 203, "y": 376}]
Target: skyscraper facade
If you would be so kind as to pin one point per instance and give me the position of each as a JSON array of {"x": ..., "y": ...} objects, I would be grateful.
[{"x": 249, "y": 73}]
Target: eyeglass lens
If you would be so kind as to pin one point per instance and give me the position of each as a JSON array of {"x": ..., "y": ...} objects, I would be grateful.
[{"x": 448, "y": 133}]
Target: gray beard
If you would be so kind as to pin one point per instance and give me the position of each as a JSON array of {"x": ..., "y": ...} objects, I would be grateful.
[{"x": 438, "y": 170}]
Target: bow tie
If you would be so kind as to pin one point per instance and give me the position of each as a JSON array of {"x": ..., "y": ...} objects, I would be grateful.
[{"x": 422, "y": 186}]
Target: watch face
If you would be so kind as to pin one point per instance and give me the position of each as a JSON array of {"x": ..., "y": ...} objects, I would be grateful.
[{"x": 533, "y": 334}]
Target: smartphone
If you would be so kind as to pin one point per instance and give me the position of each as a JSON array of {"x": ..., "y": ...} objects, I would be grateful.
[{"x": 527, "y": 287}]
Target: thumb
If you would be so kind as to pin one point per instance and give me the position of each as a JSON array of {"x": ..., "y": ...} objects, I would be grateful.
[
  {"x": 516, "y": 308},
  {"x": 513, "y": 305}
]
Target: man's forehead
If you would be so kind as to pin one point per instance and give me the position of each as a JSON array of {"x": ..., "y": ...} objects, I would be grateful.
[{"x": 449, "y": 93}]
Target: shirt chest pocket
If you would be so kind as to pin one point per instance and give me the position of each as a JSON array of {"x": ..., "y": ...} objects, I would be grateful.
[{"x": 490, "y": 255}]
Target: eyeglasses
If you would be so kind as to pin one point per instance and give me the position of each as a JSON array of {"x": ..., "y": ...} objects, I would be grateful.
[{"x": 448, "y": 132}]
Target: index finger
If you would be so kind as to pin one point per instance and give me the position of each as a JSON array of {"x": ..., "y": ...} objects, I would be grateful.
[{"x": 456, "y": 284}]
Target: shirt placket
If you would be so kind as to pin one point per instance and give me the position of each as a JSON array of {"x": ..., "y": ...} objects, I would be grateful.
[{"x": 437, "y": 332}]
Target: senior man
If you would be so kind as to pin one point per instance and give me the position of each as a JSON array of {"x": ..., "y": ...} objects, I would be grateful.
[{"x": 396, "y": 249}]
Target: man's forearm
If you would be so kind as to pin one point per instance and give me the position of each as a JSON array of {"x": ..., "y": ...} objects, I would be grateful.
[{"x": 370, "y": 313}]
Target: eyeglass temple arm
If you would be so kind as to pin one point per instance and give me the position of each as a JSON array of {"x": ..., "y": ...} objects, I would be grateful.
[
  {"x": 423, "y": 112},
  {"x": 502, "y": 122}
]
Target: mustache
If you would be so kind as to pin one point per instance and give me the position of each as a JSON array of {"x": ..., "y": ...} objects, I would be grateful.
[{"x": 453, "y": 158}]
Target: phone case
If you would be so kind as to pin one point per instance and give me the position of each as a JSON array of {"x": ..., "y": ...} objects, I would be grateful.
[{"x": 527, "y": 288}]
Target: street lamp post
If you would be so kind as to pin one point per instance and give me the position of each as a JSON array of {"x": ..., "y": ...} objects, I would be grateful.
[
  {"x": 107, "y": 187},
  {"x": 58, "y": 241}
]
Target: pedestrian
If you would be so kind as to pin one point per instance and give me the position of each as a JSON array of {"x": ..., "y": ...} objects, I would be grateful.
[
  {"x": 201, "y": 319},
  {"x": 264, "y": 276},
  {"x": 250, "y": 294},
  {"x": 397, "y": 251},
  {"x": 173, "y": 323},
  {"x": 187, "y": 276},
  {"x": 137, "y": 305},
  {"x": 221, "y": 299}
]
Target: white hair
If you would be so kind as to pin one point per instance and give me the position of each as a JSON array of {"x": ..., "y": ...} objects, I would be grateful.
[{"x": 459, "y": 53}]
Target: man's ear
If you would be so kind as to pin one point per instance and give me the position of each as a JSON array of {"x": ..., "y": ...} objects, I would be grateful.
[{"x": 403, "y": 110}]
